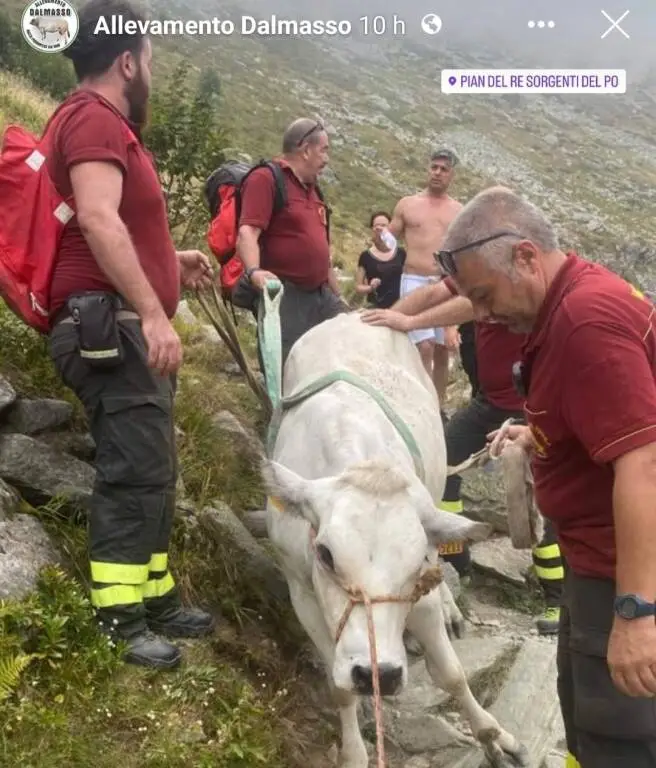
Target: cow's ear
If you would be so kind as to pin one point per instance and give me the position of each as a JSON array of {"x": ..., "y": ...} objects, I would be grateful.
[
  {"x": 443, "y": 527},
  {"x": 289, "y": 492}
]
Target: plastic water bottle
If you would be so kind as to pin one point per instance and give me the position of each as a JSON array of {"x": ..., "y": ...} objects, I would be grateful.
[{"x": 388, "y": 238}]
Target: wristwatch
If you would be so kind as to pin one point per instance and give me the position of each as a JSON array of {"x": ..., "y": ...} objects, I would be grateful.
[{"x": 633, "y": 607}]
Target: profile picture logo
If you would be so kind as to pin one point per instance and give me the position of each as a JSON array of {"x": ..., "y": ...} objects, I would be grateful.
[{"x": 50, "y": 26}]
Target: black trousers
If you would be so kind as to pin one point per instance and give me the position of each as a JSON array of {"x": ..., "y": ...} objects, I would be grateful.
[
  {"x": 468, "y": 355},
  {"x": 466, "y": 433},
  {"x": 301, "y": 310},
  {"x": 130, "y": 412},
  {"x": 604, "y": 728}
]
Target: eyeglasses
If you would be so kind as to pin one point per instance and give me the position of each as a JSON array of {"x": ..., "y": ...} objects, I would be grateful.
[
  {"x": 447, "y": 261},
  {"x": 317, "y": 127}
]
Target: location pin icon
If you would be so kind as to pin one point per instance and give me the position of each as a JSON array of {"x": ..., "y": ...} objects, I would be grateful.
[{"x": 452, "y": 80}]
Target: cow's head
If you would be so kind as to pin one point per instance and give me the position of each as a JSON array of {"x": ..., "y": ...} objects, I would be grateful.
[{"x": 374, "y": 526}]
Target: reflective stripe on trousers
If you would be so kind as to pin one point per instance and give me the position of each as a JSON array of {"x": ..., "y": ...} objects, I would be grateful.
[{"x": 124, "y": 584}]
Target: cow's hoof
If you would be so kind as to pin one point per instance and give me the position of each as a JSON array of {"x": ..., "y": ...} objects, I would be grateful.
[{"x": 499, "y": 758}]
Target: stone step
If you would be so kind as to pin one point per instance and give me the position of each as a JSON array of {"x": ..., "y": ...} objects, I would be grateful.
[{"x": 527, "y": 705}]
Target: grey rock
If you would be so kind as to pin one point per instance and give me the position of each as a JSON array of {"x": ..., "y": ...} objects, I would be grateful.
[
  {"x": 7, "y": 394},
  {"x": 40, "y": 472},
  {"x": 527, "y": 704},
  {"x": 25, "y": 548},
  {"x": 211, "y": 334},
  {"x": 228, "y": 422},
  {"x": 232, "y": 369},
  {"x": 411, "y": 718},
  {"x": 416, "y": 734},
  {"x": 417, "y": 762},
  {"x": 256, "y": 523},
  {"x": 9, "y": 501},
  {"x": 255, "y": 563},
  {"x": 498, "y": 557},
  {"x": 30, "y": 417},
  {"x": 451, "y": 577},
  {"x": 185, "y": 314},
  {"x": 478, "y": 657},
  {"x": 82, "y": 446}
]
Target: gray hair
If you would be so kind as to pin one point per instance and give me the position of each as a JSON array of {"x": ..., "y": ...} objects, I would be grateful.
[
  {"x": 494, "y": 210},
  {"x": 295, "y": 133}
]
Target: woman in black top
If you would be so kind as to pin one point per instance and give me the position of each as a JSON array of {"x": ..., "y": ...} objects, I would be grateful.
[{"x": 379, "y": 272}]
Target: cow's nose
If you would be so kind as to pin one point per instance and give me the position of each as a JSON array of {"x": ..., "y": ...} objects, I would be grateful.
[{"x": 390, "y": 679}]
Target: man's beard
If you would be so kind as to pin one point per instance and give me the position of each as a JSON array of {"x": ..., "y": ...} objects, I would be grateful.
[{"x": 136, "y": 93}]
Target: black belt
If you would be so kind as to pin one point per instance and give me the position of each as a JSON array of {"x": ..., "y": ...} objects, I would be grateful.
[{"x": 64, "y": 313}]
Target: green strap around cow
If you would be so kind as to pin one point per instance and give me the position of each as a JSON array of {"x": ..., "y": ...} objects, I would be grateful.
[{"x": 271, "y": 351}]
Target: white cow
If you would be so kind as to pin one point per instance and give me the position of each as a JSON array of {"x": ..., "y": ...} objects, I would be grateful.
[
  {"x": 51, "y": 26},
  {"x": 347, "y": 509}
]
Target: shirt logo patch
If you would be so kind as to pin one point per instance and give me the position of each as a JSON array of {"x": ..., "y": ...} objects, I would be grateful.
[
  {"x": 540, "y": 441},
  {"x": 637, "y": 293}
]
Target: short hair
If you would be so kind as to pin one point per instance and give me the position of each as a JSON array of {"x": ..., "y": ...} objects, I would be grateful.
[
  {"x": 376, "y": 214},
  {"x": 301, "y": 130},
  {"x": 94, "y": 53},
  {"x": 494, "y": 210},
  {"x": 445, "y": 154}
]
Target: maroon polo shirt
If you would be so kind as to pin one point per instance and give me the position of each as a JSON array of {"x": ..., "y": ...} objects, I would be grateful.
[
  {"x": 294, "y": 243},
  {"x": 497, "y": 349},
  {"x": 95, "y": 131},
  {"x": 590, "y": 364}
]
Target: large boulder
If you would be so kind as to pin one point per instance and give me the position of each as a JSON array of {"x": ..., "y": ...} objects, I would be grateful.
[
  {"x": 30, "y": 417},
  {"x": 7, "y": 394},
  {"x": 25, "y": 547},
  {"x": 41, "y": 472}
]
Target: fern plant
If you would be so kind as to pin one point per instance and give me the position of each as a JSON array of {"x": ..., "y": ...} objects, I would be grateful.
[{"x": 11, "y": 669}]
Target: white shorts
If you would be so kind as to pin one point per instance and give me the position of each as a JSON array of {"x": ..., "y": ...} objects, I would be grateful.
[{"x": 410, "y": 283}]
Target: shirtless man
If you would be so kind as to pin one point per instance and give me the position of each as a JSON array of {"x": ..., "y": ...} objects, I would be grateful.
[{"x": 422, "y": 220}]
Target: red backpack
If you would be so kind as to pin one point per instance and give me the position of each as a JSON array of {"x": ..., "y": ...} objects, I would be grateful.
[
  {"x": 33, "y": 216},
  {"x": 223, "y": 197}
]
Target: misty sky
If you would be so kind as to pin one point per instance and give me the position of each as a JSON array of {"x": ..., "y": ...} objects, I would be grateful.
[{"x": 502, "y": 25}]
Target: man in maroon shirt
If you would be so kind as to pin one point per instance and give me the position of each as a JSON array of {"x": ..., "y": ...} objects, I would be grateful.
[
  {"x": 588, "y": 373},
  {"x": 292, "y": 245},
  {"x": 494, "y": 401},
  {"x": 114, "y": 291}
]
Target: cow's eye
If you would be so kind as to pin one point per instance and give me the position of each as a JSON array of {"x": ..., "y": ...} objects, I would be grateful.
[{"x": 326, "y": 557}]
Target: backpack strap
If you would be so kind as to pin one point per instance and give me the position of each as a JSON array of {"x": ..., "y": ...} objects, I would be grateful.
[
  {"x": 280, "y": 191},
  {"x": 280, "y": 199},
  {"x": 329, "y": 210}
]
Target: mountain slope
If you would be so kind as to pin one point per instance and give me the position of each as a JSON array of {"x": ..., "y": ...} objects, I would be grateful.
[{"x": 588, "y": 161}]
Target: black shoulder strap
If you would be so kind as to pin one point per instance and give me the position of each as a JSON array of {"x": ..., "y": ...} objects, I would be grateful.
[
  {"x": 328, "y": 209},
  {"x": 280, "y": 199}
]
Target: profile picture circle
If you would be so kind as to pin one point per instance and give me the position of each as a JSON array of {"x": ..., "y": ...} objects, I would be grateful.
[{"x": 50, "y": 26}]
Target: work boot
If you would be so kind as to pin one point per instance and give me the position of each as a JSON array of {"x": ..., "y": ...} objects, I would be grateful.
[
  {"x": 182, "y": 622},
  {"x": 549, "y": 622},
  {"x": 148, "y": 650}
]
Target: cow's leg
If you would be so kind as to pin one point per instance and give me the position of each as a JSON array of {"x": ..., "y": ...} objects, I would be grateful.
[
  {"x": 426, "y": 622},
  {"x": 453, "y": 618},
  {"x": 353, "y": 753}
]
